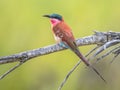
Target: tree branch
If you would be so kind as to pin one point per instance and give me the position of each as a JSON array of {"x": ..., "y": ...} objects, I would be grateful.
[
  {"x": 98, "y": 38},
  {"x": 103, "y": 40}
]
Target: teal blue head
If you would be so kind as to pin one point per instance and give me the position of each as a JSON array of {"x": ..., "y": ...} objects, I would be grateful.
[{"x": 54, "y": 16}]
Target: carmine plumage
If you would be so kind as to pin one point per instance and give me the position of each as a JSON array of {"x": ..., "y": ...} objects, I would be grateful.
[{"x": 64, "y": 36}]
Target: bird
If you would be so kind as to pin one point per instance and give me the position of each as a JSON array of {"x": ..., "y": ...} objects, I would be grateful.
[{"x": 65, "y": 38}]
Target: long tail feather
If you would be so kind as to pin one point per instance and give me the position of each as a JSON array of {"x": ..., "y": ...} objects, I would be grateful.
[
  {"x": 77, "y": 52},
  {"x": 98, "y": 73}
]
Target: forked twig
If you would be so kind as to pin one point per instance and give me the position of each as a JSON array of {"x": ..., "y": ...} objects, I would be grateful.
[{"x": 12, "y": 69}]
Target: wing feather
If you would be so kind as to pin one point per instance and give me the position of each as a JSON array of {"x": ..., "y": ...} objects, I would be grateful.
[{"x": 62, "y": 31}]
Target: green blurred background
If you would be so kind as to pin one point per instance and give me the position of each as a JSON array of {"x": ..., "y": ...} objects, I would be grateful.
[{"x": 22, "y": 28}]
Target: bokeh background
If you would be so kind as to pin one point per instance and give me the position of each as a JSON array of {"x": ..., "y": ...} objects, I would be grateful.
[{"x": 22, "y": 28}]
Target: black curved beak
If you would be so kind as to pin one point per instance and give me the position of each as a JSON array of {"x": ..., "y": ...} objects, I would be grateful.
[{"x": 46, "y": 16}]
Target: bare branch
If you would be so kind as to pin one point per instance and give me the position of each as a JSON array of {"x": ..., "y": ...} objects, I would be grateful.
[
  {"x": 104, "y": 39},
  {"x": 98, "y": 38}
]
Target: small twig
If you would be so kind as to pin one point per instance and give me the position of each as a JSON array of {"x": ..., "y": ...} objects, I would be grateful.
[
  {"x": 106, "y": 54},
  {"x": 116, "y": 52},
  {"x": 106, "y": 45},
  {"x": 67, "y": 76},
  {"x": 91, "y": 51},
  {"x": 10, "y": 70},
  {"x": 114, "y": 58}
]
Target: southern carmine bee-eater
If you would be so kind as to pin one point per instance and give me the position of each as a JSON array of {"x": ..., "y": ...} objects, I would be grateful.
[{"x": 64, "y": 37}]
